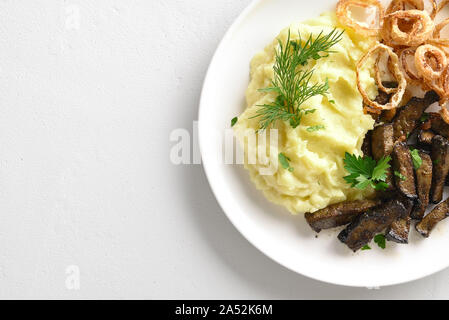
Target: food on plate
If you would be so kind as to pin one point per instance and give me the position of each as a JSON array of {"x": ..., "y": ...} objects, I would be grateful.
[
  {"x": 425, "y": 137},
  {"x": 399, "y": 230},
  {"x": 382, "y": 143},
  {"x": 366, "y": 145},
  {"x": 438, "y": 125},
  {"x": 409, "y": 116},
  {"x": 345, "y": 17},
  {"x": 440, "y": 156},
  {"x": 368, "y": 224},
  {"x": 403, "y": 169},
  {"x": 423, "y": 184},
  {"x": 360, "y": 107},
  {"x": 428, "y": 223},
  {"x": 397, "y": 93},
  {"x": 338, "y": 214},
  {"x": 334, "y": 120}
]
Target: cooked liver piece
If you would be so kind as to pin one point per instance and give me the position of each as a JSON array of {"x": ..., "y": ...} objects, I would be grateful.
[
  {"x": 338, "y": 214},
  {"x": 365, "y": 226}
]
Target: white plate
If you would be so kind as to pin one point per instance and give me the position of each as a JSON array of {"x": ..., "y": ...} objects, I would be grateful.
[{"x": 284, "y": 238}]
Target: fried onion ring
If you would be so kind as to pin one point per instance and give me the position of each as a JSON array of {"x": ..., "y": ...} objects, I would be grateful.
[
  {"x": 418, "y": 21},
  {"x": 410, "y": 75},
  {"x": 345, "y": 18},
  {"x": 442, "y": 5},
  {"x": 444, "y": 112},
  {"x": 436, "y": 40},
  {"x": 369, "y": 110},
  {"x": 398, "y": 5},
  {"x": 379, "y": 78},
  {"x": 430, "y": 61},
  {"x": 441, "y": 86},
  {"x": 396, "y": 98},
  {"x": 439, "y": 27}
]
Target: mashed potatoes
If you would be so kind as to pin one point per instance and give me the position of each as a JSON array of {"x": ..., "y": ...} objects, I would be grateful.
[{"x": 317, "y": 157}]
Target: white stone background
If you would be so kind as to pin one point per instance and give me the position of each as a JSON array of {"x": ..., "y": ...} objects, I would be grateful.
[{"x": 89, "y": 93}]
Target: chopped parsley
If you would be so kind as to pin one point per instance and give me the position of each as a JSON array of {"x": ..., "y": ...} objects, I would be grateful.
[
  {"x": 285, "y": 162},
  {"x": 417, "y": 161},
  {"x": 400, "y": 175},
  {"x": 234, "y": 121},
  {"x": 364, "y": 172},
  {"x": 366, "y": 247},
  {"x": 380, "y": 240},
  {"x": 315, "y": 128}
]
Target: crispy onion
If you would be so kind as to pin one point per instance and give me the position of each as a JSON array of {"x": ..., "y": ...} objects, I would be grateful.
[
  {"x": 410, "y": 75},
  {"x": 441, "y": 86},
  {"x": 369, "y": 110},
  {"x": 418, "y": 23},
  {"x": 398, "y": 5},
  {"x": 396, "y": 98},
  {"x": 430, "y": 61},
  {"x": 436, "y": 40},
  {"x": 345, "y": 18},
  {"x": 442, "y": 5},
  {"x": 444, "y": 112},
  {"x": 436, "y": 37},
  {"x": 439, "y": 27},
  {"x": 444, "y": 82},
  {"x": 378, "y": 76}
]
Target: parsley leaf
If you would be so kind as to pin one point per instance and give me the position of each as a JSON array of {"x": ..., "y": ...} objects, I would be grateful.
[
  {"x": 381, "y": 186},
  {"x": 234, "y": 121},
  {"x": 315, "y": 128},
  {"x": 285, "y": 162},
  {"x": 364, "y": 172},
  {"x": 380, "y": 240},
  {"x": 380, "y": 171},
  {"x": 366, "y": 247},
  {"x": 400, "y": 175},
  {"x": 417, "y": 161}
]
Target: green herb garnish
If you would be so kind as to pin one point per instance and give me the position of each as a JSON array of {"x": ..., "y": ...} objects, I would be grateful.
[
  {"x": 234, "y": 121},
  {"x": 291, "y": 85},
  {"x": 400, "y": 175},
  {"x": 315, "y": 128},
  {"x": 366, "y": 172},
  {"x": 285, "y": 162},
  {"x": 424, "y": 117},
  {"x": 437, "y": 161},
  {"x": 380, "y": 240},
  {"x": 417, "y": 161},
  {"x": 366, "y": 247}
]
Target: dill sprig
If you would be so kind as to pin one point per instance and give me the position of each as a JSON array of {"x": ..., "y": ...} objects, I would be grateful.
[{"x": 291, "y": 83}]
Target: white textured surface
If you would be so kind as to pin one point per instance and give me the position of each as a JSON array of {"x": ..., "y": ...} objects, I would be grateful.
[{"x": 85, "y": 176}]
